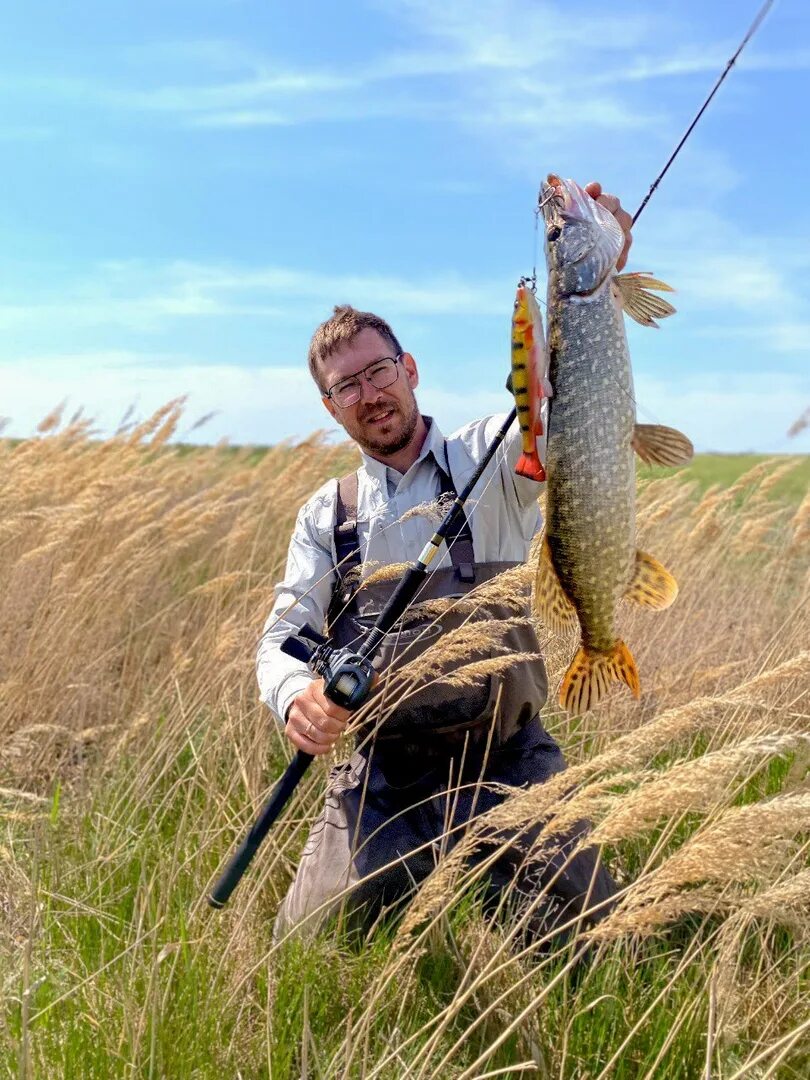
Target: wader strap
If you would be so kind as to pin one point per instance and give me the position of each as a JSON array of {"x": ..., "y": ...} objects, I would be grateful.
[
  {"x": 347, "y": 547},
  {"x": 347, "y": 544},
  {"x": 460, "y": 541}
]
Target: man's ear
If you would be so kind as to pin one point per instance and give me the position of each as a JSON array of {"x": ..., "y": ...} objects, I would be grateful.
[
  {"x": 331, "y": 408},
  {"x": 411, "y": 370}
]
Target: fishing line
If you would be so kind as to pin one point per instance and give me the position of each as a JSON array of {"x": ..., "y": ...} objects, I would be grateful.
[
  {"x": 538, "y": 212},
  {"x": 533, "y": 279}
]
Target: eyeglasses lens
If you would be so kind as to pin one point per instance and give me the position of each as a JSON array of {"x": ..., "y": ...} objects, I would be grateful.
[{"x": 380, "y": 374}]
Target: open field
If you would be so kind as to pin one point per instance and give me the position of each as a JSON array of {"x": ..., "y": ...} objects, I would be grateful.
[
  {"x": 136, "y": 579},
  {"x": 725, "y": 469}
]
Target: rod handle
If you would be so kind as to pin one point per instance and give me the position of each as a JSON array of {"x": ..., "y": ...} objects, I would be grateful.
[{"x": 241, "y": 858}]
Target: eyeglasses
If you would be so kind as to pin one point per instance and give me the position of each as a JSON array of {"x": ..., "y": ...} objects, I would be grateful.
[{"x": 380, "y": 373}]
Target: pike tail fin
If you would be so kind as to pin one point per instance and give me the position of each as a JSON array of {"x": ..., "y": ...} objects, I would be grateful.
[
  {"x": 530, "y": 465},
  {"x": 591, "y": 673}
]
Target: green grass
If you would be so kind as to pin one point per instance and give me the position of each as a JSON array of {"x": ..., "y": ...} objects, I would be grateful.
[
  {"x": 725, "y": 469},
  {"x": 130, "y": 976},
  {"x": 705, "y": 469}
]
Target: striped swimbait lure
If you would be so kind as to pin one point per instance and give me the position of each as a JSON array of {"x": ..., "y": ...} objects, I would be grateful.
[
  {"x": 589, "y": 560},
  {"x": 528, "y": 382}
]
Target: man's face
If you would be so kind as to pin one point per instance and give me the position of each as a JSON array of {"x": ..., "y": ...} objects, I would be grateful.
[{"x": 383, "y": 421}]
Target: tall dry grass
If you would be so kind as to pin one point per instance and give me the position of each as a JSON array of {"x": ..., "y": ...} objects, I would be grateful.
[
  {"x": 135, "y": 575},
  {"x": 136, "y": 579}
]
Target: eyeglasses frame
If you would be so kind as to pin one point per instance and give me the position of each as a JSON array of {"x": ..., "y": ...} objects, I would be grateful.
[{"x": 362, "y": 374}]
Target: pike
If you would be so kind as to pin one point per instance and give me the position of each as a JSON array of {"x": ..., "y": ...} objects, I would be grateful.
[{"x": 588, "y": 556}]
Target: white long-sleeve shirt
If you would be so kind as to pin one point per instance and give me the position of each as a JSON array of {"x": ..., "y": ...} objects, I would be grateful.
[{"x": 502, "y": 511}]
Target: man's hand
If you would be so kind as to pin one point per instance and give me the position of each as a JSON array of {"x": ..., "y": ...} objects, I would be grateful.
[
  {"x": 314, "y": 723},
  {"x": 611, "y": 203}
]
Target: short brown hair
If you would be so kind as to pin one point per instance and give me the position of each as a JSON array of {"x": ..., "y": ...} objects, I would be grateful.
[{"x": 342, "y": 328}]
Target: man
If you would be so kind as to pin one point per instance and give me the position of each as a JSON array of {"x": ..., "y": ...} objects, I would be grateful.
[{"x": 443, "y": 755}]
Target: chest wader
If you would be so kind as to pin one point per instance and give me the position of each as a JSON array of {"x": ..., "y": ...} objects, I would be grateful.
[
  {"x": 434, "y": 721},
  {"x": 389, "y": 811}
]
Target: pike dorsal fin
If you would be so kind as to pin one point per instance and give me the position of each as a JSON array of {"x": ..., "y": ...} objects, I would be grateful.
[{"x": 639, "y": 302}]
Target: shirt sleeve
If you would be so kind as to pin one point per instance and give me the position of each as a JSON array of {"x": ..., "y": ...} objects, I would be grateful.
[{"x": 302, "y": 597}]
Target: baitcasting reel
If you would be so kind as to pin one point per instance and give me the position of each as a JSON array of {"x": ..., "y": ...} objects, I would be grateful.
[{"x": 347, "y": 676}]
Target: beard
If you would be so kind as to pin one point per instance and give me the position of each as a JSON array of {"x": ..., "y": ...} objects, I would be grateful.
[{"x": 403, "y": 424}]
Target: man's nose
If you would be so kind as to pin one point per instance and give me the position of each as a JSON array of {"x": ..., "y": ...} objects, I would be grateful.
[{"x": 368, "y": 391}]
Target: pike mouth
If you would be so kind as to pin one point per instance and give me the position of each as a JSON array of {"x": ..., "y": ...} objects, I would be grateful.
[
  {"x": 563, "y": 200},
  {"x": 552, "y": 200}
]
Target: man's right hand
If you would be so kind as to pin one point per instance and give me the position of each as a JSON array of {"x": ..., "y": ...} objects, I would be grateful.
[{"x": 314, "y": 723}]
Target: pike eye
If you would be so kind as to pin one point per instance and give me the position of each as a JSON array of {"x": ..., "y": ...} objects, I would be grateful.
[{"x": 553, "y": 233}]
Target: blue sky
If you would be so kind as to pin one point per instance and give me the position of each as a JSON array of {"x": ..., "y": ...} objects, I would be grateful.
[{"x": 190, "y": 185}]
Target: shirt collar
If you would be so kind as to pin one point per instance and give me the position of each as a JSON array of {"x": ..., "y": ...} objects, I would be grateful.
[{"x": 433, "y": 444}]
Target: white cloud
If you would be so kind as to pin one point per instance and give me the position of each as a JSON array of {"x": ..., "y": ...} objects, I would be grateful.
[
  {"x": 266, "y": 404},
  {"x": 726, "y": 412},
  {"x": 508, "y": 64},
  {"x": 502, "y": 68},
  {"x": 141, "y": 295},
  {"x": 709, "y": 61},
  {"x": 253, "y": 405}
]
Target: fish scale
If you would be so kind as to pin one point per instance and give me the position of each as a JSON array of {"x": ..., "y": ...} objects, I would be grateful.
[{"x": 589, "y": 500}]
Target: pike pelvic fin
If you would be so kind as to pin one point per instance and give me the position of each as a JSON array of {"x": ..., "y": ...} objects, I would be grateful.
[
  {"x": 590, "y": 674},
  {"x": 549, "y": 600},
  {"x": 659, "y": 445},
  {"x": 652, "y": 585},
  {"x": 637, "y": 300},
  {"x": 530, "y": 466}
]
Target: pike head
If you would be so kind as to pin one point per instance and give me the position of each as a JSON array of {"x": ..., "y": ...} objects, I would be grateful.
[{"x": 583, "y": 240}]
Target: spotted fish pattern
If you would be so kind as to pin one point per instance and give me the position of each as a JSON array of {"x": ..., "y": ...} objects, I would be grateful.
[
  {"x": 590, "y": 514},
  {"x": 589, "y": 561}
]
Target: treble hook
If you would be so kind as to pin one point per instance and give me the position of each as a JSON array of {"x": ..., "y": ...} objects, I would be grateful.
[{"x": 531, "y": 281}]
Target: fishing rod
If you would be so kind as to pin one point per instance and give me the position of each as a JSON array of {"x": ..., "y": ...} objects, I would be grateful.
[
  {"x": 752, "y": 29},
  {"x": 348, "y": 673}
]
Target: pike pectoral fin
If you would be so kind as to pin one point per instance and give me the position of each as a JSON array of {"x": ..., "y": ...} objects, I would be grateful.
[
  {"x": 549, "y": 599},
  {"x": 591, "y": 673},
  {"x": 659, "y": 445},
  {"x": 652, "y": 585},
  {"x": 637, "y": 300}
]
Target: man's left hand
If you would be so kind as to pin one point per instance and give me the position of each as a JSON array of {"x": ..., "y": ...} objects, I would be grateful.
[{"x": 611, "y": 203}]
